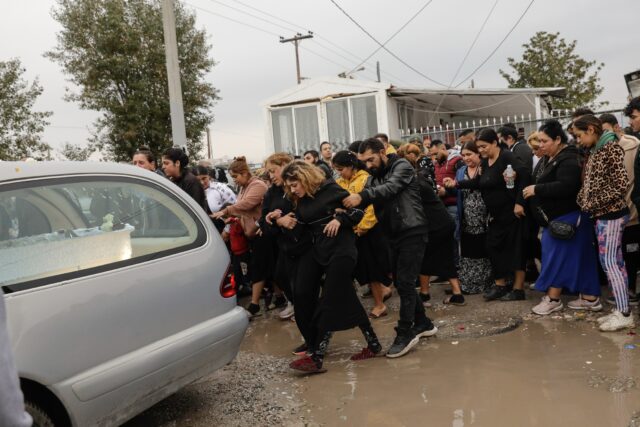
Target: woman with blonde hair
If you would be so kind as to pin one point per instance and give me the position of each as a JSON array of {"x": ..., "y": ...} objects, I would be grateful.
[
  {"x": 248, "y": 208},
  {"x": 318, "y": 207}
]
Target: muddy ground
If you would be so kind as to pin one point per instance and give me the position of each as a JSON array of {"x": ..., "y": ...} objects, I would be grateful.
[{"x": 491, "y": 364}]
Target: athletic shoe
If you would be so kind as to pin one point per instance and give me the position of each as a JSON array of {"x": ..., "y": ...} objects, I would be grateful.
[
  {"x": 425, "y": 298},
  {"x": 301, "y": 350},
  {"x": 583, "y": 304},
  {"x": 633, "y": 300},
  {"x": 278, "y": 302},
  {"x": 405, "y": 340},
  {"x": 496, "y": 292},
  {"x": 532, "y": 286},
  {"x": 604, "y": 319},
  {"x": 514, "y": 295},
  {"x": 253, "y": 310},
  {"x": 426, "y": 330},
  {"x": 617, "y": 321},
  {"x": 365, "y": 353},
  {"x": 307, "y": 365},
  {"x": 547, "y": 306},
  {"x": 287, "y": 312}
]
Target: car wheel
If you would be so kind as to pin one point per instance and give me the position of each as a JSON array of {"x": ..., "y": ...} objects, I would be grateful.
[{"x": 39, "y": 415}]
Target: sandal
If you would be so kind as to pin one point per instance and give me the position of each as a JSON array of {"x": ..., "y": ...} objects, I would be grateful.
[
  {"x": 377, "y": 316},
  {"x": 455, "y": 299}
]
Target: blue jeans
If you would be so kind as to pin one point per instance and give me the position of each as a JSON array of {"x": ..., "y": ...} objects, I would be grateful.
[{"x": 12, "y": 411}]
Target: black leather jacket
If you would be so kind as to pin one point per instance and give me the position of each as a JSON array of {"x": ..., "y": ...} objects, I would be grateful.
[{"x": 395, "y": 195}]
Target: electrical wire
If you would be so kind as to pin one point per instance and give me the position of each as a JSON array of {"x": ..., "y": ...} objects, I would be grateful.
[
  {"x": 319, "y": 36},
  {"x": 233, "y": 20},
  {"x": 382, "y": 46},
  {"x": 499, "y": 45},
  {"x": 455, "y": 76},
  {"x": 484, "y": 107}
]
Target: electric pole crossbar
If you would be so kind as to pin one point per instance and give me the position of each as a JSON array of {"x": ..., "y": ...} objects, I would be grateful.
[{"x": 296, "y": 40}]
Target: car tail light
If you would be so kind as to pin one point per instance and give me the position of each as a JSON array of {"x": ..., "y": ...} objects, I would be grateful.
[{"x": 228, "y": 286}]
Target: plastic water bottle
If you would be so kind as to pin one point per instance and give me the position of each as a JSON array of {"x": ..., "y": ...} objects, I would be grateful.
[{"x": 511, "y": 177}]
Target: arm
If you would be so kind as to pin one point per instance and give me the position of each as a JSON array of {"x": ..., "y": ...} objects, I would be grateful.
[
  {"x": 350, "y": 217},
  {"x": 400, "y": 178},
  {"x": 253, "y": 197}
]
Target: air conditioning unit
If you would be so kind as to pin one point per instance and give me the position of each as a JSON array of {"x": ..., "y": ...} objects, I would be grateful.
[{"x": 633, "y": 83}]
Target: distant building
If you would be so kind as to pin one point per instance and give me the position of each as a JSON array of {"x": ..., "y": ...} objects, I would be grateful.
[{"x": 343, "y": 110}]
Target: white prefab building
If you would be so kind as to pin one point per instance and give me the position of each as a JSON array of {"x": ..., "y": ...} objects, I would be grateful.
[{"x": 342, "y": 110}]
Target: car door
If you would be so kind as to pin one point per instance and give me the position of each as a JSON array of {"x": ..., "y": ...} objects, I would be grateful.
[{"x": 101, "y": 272}]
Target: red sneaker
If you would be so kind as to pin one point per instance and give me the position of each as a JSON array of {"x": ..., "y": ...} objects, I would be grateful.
[
  {"x": 306, "y": 364},
  {"x": 364, "y": 354}
]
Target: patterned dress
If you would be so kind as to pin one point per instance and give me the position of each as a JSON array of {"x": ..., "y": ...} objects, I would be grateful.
[{"x": 475, "y": 268}]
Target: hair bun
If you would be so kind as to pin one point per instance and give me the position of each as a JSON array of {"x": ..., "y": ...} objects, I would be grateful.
[{"x": 240, "y": 159}]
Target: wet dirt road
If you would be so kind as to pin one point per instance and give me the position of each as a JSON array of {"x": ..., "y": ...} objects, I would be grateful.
[{"x": 558, "y": 371}]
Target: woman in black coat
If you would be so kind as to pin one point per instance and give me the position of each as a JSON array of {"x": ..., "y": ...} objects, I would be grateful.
[
  {"x": 318, "y": 207},
  {"x": 506, "y": 232}
]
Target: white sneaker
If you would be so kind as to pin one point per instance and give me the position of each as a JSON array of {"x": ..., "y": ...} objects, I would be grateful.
[
  {"x": 604, "y": 319},
  {"x": 287, "y": 312},
  {"x": 617, "y": 321},
  {"x": 547, "y": 306},
  {"x": 583, "y": 304}
]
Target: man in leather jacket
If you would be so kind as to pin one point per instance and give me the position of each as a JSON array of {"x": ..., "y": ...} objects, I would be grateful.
[{"x": 394, "y": 192}]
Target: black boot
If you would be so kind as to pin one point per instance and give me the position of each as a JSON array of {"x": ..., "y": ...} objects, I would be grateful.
[{"x": 496, "y": 292}]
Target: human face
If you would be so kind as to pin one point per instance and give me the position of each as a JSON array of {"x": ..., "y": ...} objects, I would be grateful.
[
  {"x": 412, "y": 157},
  {"x": 372, "y": 160},
  {"x": 506, "y": 140},
  {"x": 634, "y": 120},
  {"x": 170, "y": 168},
  {"x": 275, "y": 174},
  {"x": 587, "y": 138},
  {"x": 240, "y": 178},
  {"x": 426, "y": 144},
  {"x": 204, "y": 181},
  {"x": 308, "y": 158},
  {"x": 326, "y": 152},
  {"x": 470, "y": 158},
  {"x": 548, "y": 146},
  {"x": 346, "y": 172},
  {"x": 296, "y": 188},
  {"x": 486, "y": 149},
  {"x": 141, "y": 161}
]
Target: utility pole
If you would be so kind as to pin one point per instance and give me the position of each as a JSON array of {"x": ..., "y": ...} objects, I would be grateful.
[
  {"x": 296, "y": 40},
  {"x": 209, "y": 154},
  {"x": 178, "y": 131},
  {"x": 378, "y": 70}
]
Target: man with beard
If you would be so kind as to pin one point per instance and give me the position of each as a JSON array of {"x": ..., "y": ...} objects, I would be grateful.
[{"x": 395, "y": 194}]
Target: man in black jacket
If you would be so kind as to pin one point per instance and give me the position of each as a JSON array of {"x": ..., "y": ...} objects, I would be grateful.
[{"x": 395, "y": 194}]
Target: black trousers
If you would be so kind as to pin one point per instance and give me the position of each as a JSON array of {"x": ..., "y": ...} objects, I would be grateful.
[
  {"x": 286, "y": 268},
  {"x": 407, "y": 254},
  {"x": 337, "y": 309},
  {"x": 631, "y": 253}
]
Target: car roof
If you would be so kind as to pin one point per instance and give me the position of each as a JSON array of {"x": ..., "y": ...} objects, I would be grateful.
[{"x": 17, "y": 171}]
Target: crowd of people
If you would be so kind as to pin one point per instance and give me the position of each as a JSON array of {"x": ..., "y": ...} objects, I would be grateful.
[{"x": 482, "y": 214}]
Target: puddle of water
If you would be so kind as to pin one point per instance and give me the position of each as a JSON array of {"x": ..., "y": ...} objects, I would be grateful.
[{"x": 517, "y": 378}]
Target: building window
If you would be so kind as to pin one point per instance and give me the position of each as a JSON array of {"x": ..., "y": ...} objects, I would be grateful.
[
  {"x": 307, "y": 132},
  {"x": 338, "y": 123},
  {"x": 283, "y": 134},
  {"x": 364, "y": 117}
]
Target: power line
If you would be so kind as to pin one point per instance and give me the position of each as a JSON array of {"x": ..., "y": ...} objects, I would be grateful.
[
  {"x": 499, "y": 44},
  {"x": 233, "y": 20},
  {"x": 385, "y": 48},
  {"x": 444, "y": 95},
  {"x": 319, "y": 36}
]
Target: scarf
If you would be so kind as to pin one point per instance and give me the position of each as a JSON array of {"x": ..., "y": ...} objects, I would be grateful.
[{"x": 605, "y": 139}]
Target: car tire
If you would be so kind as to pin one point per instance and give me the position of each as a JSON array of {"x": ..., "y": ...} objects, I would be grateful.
[{"x": 39, "y": 415}]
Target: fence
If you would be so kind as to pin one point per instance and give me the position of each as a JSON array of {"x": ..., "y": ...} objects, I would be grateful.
[{"x": 525, "y": 125}]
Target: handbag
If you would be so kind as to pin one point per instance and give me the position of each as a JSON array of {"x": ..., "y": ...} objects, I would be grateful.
[{"x": 559, "y": 229}]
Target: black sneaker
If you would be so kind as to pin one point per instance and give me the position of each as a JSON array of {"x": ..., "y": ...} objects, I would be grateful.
[
  {"x": 514, "y": 295},
  {"x": 496, "y": 292},
  {"x": 253, "y": 310},
  {"x": 425, "y": 330},
  {"x": 405, "y": 340}
]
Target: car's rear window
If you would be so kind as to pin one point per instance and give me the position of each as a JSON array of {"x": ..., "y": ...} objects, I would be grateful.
[{"x": 57, "y": 229}]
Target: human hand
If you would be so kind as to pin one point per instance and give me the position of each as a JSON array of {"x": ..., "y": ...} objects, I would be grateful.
[
  {"x": 441, "y": 191},
  {"x": 288, "y": 221},
  {"x": 218, "y": 215},
  {"x": 449, "y": 183},
  {"x": 331, "y": 229},
  {"x": 273, "y": 216},
  {"x": 529, "y": 191},
  {"x": 518, "y": 210},
  {"x": 352, "y": 201},
  {"x": 225, "y": 236},
  {"x": 504, "y": 175}
]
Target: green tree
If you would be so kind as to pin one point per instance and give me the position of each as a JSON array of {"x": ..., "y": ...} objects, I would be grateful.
[
  {"x": 76, "y": 153},
  {"x": 113, "y": 50},
  {"x": 549, "y": 61},
  {"x": 20, "y": 126}
]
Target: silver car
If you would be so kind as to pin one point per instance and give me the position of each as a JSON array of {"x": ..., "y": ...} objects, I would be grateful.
[{"x": 117, "y": 289}]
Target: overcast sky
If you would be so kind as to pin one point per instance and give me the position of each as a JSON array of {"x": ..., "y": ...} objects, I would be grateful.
[{"x": 253, "y": 65}]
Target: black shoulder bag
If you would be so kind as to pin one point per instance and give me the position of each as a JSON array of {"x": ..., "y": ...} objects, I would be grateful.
[{"x": 559, "y": 229}]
